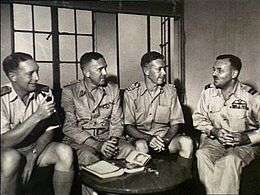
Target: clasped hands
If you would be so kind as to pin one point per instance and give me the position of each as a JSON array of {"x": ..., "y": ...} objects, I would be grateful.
[
  {"x": 110, "y": 147},
  {"x": 157, "y": 143},
  {"x": 227, "y": 138}
]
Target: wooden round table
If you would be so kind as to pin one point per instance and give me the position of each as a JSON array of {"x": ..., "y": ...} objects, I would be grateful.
[{"x": 167, "y": 176}]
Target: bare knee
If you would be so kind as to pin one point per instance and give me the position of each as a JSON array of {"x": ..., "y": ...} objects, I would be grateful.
[
  {"x": 10, "y": 162},
  {"x": 65, "y": 155},
  {"x": 186, "y": 146},
  {"x": 141, "y": 145}
]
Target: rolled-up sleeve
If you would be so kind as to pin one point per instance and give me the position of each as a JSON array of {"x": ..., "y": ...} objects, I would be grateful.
[
  {"x": 201, "y": 120},
  {"x": 255, "y": 136},
  {"x": 71, "y": 128},
  {"x": 176, "y": 116},
  {"x": 116, "y": 122},
  {"x": 5, "y": 118},
  {"x": 129, "y": 109}
]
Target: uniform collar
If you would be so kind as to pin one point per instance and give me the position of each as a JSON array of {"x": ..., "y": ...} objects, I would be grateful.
[
  {"x": 143, "y": 88},
  {"x": 88, "y": 88},
  {"x": 13, "y": 95},
  {"x": 236, "y": 90}
]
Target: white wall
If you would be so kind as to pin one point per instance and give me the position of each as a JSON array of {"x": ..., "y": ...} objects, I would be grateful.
[
  {"x": 132, "y": 46},
  {"x": 216, "y": 27},
  {"x": 105, "y": 37},
  {"x": 5, "y": 37}
]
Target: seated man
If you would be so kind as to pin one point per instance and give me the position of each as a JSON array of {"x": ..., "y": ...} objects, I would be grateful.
[
  {"x": 153, "y": 114},
  {"x": 27, "y": 128},
  {"x": 93, "y": 117},
  {"x": 228, "y": 113}
]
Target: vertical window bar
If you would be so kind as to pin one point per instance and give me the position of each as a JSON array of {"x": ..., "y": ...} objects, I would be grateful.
[
  {"x": 33, "y": 32},
  {"x": 169, "y": 50},
  {"x": 161, "y": 35},
  {"x": 12, "y": 27},
  {"x": 164, "y": 37},
  {"x": 148, "y": 34},
  {"x": 55, "y": 51},
  {"x": 117, "y": 51},
  {"x": 76, "y": 43},
  {"x": 93, "y": 31}
]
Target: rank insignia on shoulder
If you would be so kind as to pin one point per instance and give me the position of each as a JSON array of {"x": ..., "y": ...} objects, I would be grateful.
[
  {"x": 252, "y": 91},
  {"x": 71, "y": 83},
  {"x": 5, "y": 90},
  {"x": 133, "y": 86},
  {"x": 239, "y": 104},
  {"x": 208, "y": 86}
]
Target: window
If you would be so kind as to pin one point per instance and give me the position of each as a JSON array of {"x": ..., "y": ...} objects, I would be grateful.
[{"x": 47, "y": 32}]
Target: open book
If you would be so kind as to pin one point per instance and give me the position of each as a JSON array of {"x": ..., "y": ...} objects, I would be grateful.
[{"x": 135, "y": 162}]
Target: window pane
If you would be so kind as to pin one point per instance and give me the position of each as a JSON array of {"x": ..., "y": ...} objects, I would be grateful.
[
  {"x": 84, "y": 45},
  {"x": 67, "y": 73},
  {"x": 46, "y": 74},
  {"x": 43, "y": 47},
  {"x": 67, "y": 48},
  {"x": 42, "y": 18},
  {"x": 84, "y": 21},
  {"x": 23, "y": 42},
  {"x": 155, "y": 33},
  {"x": 22, "y": 17},
  {"x": 66, "y": 20}
]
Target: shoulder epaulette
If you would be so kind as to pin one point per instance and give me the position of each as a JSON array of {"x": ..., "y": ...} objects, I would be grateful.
[
  {"x": 5, "y": 90},
  {"x": 133, "y": 86},
  {"x": 71, "y": 83},
  {"x": 208, "y": 86},
  {"x": 252, "y": 91},
  {"x": 249, "y": 89}
]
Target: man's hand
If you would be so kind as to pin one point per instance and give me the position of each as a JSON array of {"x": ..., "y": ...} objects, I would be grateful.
[
  {"x": 224, "y": 136},
  {"x": 109, "y": 148},
  {"x": 45, "y": 109},
  {"x": 239, "y": 139},
  {"x": 30, "y": 162},
  {"x": 157, "y": 144}
]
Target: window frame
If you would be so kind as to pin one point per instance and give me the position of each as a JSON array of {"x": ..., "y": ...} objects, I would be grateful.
[{"x": 55, "y": 33}]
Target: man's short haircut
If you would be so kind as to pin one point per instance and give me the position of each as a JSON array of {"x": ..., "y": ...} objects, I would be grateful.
[
  {"x": 150, "y": 56},
  {"x": 234, "y": 60},
  {"x": 11, "y": 62},
  {"x": 87, "y": 57}
]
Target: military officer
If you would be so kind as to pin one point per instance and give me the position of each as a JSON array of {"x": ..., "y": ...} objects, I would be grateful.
[
  {"x": 228, "y": 112},
  {"x": 93, "y": 116},
  {"x": 153, "y": 114},
  {"x": 28, "y": 124}
]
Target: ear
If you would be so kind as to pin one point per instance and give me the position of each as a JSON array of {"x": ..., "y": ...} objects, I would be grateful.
[
  {"x": 235, "y": 74},
  {"x": 146, "y": 70},
  {"x": 12, "y": 76},
  {"x": 87, "y": 74}
]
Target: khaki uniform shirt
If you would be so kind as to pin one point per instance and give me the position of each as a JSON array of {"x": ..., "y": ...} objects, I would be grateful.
[
  {"x": 15, "y": 112},
  {"x": 91, "y": 113},
  {"x": 239, "y": 113},
  {"x": 152, "y": 114}
]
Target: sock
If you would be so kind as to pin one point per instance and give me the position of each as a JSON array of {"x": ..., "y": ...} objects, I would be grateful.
[
  {"x": 186, "y": 163},
  {"x": 62, "y": 182}
]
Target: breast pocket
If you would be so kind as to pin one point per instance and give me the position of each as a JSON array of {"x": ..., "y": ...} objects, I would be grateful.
[
  {"x": 106, "y": 109},
  {"x": 162, "y": 114},
  {"x": 82, "y": 109}
]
